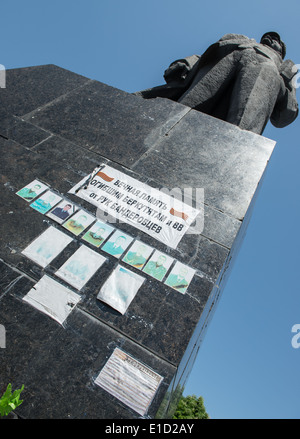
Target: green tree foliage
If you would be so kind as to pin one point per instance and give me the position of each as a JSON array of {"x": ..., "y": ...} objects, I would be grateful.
[
  {"x": 9, "y": 401},
  {"x": 190, "y": 407}
]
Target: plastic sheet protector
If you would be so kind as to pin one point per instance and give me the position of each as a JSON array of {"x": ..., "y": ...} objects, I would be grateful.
[
  {"x": 52, "y": 299},
  {"x": 130, "y": 381},
  {"x": 47, "y": 246}
]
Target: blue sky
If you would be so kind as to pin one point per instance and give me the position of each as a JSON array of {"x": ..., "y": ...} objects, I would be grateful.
[{"x": 246, "y": 367}]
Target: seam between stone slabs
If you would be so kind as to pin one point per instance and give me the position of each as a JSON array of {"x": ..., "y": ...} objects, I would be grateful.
[
  {"x": 84, "y": 311},
  {"x": 57, "y": 99},
  {"x": 126, "y": 336},
  {"x": 159, "y": 139}
]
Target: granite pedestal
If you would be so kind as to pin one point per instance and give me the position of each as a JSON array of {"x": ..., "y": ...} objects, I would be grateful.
[{"x": 57, "y": 126}]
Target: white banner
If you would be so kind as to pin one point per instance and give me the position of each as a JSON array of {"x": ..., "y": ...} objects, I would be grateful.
[{"x": 156, "y": 213}]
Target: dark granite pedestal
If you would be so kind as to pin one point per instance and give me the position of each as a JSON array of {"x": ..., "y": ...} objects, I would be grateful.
[{"x": 57, "y": 126}]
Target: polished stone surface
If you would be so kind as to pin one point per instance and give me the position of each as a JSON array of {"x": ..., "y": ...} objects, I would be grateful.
[
  {"x": 203, "y": 152},
  {"x": 108, "y": 121},
  {"x": 59, "y": 135}
]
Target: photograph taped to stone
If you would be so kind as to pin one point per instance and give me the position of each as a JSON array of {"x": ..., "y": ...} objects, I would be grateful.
[
  {"x": 117, "y": 243},
  {"x": 158, "y": 265},
  {"x": 180, "y": 277},
  {"x": 98, "y": 233},
  {"x": 138, "y": 254},
  {"x": 80, "y": 267},
  {"x": 52, "y": 298},
  {"x": 47, "y": 246},
  {"x": 32, "y": 190},
  {"x": 129, "y": 380},
  {"x": 45, "y": 202},
  {"x": 120, "y": 288},
  {"x": 79, "y": 222},
  {"x": 62, "y": 211}
]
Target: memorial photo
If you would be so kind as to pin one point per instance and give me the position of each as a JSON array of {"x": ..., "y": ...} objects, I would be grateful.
[
  {"x": 44, "y": 203},
  {"x": 138, "y": 254},
  {"x": 98, "y": 233},
  {"x": 62, "y": 212},
  {"x": 180, "y": 277},
  {"x": 79, "y": 222},
  {"x": 117, "y": 244},
  {"x": 158, "y": 265},
  {"x": 32, "y": 190}
]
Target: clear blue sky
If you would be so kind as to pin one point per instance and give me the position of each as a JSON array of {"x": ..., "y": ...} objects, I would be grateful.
[{"x": 246, "y": 367}]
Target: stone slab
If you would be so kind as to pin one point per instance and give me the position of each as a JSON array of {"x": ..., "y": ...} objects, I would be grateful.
[{"x": 59, "y": 135}]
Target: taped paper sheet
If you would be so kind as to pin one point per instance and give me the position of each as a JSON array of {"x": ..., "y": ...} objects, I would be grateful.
[
  {"x": 117, "y": 243},
  {"x": 180, "y": 277},
  {"x": 154, "y": 212},
  {"x": 32, "y": 190},
  {"x": 98, "y": 233},
  {"x": 52, "y": 299},
  {"x": 79, "y": 222},
  {"x": 120, "y": 288},
  {"x": 44, "y": 203},
  {"x": 130, "y": 381},
  {"x": 47, "y": 246},
  {"x": 80, "y": 267},
  {"x": 62, "y": 212},
  {"x": 158, "y": 265}
]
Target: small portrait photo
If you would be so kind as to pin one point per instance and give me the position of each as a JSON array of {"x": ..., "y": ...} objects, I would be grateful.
[
  {"x": 44, "y": 203},
  {"x": 62, "y": 211},
  {"x": 32, "y": 190},
  {"x": 117, "y": 243},
  {"x": 79, "y": 222},
  {"x": 80, "y": 267},
  {"x": 158, "y": 265},
  {"x": 98, "y": 233},
  {"x": 138, "y": 254},
  {"x": 180, "y": 277},
  {"x": 47, "y": 246}
]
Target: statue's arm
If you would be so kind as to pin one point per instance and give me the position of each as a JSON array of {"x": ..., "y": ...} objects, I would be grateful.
[
  {"x": 179, "y": 69},
  {"x": 286, "y": 108}
]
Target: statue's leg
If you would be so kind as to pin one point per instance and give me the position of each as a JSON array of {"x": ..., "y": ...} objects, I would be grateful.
[
  {"x": 209, "y": 85},
  {"x": 255, "y": 92}
]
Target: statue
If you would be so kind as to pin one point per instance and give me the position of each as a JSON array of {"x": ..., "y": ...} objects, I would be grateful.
[{"x": 237, "y": 80}]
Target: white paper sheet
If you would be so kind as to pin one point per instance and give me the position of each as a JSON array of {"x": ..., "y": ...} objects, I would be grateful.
[
  {"x": 52, "y": 299},
  {"x": 80, "y": 267},
  {"x": 120, "y": 288},
  {"x": 47, "y": 246},
  {"x": 129, "y": 380}
]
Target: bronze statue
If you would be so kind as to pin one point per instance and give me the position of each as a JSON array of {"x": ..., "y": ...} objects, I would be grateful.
[{"x": 237, "y": 80}]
